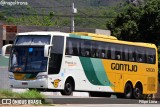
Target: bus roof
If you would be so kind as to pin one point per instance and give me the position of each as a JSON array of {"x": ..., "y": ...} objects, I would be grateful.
[
  {"x": 98, "y": 37},
  {"x": 43, "y": 33},
  {"x": 95, "y": 35},
  {"x": 112, "y": 39}
]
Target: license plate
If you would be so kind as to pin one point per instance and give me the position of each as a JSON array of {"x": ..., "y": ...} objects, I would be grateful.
[{"x": 24, "y": 83}]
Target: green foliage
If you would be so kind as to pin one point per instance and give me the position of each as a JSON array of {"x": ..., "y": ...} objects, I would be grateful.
[
  {"x": 8, "y": 94},
  {"x": 46, "y": 17},
  {"x": 31, "y": 94},
  {"x": 26, "y": 94},
  {"x": 138, "y": 23},
  {"x": 31, "y": 20},
  {"x": 2, "y": 16}
]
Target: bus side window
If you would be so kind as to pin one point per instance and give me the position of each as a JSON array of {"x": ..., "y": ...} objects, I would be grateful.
[
  {"x": 134, "y": 56},
  {"x": 87, "y": 48},
  {"x": 108, "y": 52},
  {"x": 125, "y": 53},
  {"x": 69, "y": 50},
  {"x": 103, "y": 54},
  {"x": 82, "y": 48},
  {"x": 118, "y": 56},
  {"x": 75, "y": 45},
  {"x": 87, "y": 52},
  {"x": 151, "y": 56},
  {"x": 140, "y": 59},
  {"x": 131, "y": 58},
  {"x": 150, "y": 59},
  {"x": 75, "y": 51},
  {"x": 98, "y": 49},
  {"x": 113, "y": 52}
]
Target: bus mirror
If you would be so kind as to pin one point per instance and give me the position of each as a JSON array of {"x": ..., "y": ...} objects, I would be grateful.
[
  {"x": 46, "y": 49},
  {"x": 6, "y": 50}
]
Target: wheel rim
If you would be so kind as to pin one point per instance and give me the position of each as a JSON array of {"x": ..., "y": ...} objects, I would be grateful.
[
  {"x": 128, "y": 91},
  {"x": 137, "y": 92},
  {"x": 68, "y": 88}
]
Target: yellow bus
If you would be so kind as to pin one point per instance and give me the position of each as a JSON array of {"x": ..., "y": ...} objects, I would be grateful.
[{"x": 82, "y": 61}]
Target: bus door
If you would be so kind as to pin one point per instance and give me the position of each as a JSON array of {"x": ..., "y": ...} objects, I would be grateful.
[
  {"x": 119, "y": 83},
  {"x": 55, "y": 60}
]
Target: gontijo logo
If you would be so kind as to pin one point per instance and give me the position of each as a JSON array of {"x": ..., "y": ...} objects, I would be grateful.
[{"x": 124, "y": 67}]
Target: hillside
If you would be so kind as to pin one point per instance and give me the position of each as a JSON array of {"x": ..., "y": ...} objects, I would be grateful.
[
  {"x": 91, "y": 13},
  {"x": 62, "y": 6}
]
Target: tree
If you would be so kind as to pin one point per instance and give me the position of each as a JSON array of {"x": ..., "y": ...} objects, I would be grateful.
[{"x": 138, "y": 23}]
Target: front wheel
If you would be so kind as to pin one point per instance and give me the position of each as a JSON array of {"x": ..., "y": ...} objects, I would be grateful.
[{"x": 68, "y": 88}]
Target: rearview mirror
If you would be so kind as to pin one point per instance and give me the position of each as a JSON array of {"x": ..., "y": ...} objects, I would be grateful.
[
  {"x": 46, "y": 50},
  {"x": 6, "y": 50}
]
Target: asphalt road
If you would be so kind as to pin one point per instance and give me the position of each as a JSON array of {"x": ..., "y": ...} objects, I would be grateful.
[
  {"x": 96, "y": 100},
  {"x": 106, "y": 105},
  {"x": 4, "y": 81}
]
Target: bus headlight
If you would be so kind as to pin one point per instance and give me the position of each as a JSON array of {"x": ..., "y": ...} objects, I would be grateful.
[
  {"x": 41, "y": 76},
  {"x": 11, "y": 77}
]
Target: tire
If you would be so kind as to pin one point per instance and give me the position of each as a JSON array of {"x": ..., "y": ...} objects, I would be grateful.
[
  {"x": 128, "y": 91},
  {"x": 68, "y": 87},
  {"x": 137, "y": 92}
]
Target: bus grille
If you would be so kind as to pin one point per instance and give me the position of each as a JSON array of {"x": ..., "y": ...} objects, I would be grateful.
[{"x": 151, "y": 84}]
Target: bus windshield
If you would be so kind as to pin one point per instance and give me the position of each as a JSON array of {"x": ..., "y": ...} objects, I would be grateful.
[{"x": 28, "y": 59}]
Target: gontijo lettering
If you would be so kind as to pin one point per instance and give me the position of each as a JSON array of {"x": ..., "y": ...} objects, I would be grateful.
[{"x": 124, "y": 67}]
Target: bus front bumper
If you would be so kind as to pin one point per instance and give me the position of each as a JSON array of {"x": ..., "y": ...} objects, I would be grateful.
[{"x": 38, "y": 83}]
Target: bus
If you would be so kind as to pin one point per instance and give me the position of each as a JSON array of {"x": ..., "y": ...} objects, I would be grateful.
[{"x": 82, "y": 61}]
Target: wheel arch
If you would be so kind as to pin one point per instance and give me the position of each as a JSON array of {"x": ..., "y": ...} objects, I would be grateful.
[
  {"x": 128, "y": 81},
  {"x": 139, "y": 83},
  {"x": 72, "y": 79}
]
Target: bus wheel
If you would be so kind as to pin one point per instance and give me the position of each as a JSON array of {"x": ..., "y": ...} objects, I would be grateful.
[
  {"x": 128, "y": 91},
  {"x": 68, "y": 88},
  {"x": 137, "y": 92}
]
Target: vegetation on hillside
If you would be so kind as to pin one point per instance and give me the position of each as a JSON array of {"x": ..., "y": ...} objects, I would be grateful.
[
  {"x": 91, "y": 13},
  {"x": 138, "y": 23}
]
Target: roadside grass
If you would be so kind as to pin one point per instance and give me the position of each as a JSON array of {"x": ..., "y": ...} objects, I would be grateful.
[
  {"x": 29, "y": 94},
  {"x": 9, "y": 94},
  {"x": 32, "y": 94}
]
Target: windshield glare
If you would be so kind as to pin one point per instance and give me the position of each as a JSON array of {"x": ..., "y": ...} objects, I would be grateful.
[{"x": 28, "y": 59}]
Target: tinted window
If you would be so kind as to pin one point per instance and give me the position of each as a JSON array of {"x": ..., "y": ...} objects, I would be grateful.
[
  {"x": 56, "y": 55},
  {"x": 104, "y": 50}
]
